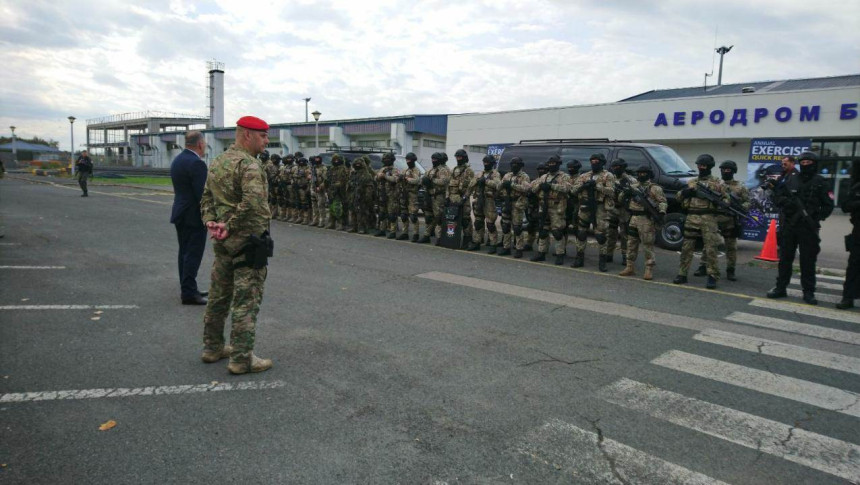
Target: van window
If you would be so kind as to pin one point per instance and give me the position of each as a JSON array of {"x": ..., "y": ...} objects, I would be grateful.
[
  {"x": 583, "y": 154},
  {"x": 531, "y": 155},
  {"x": 670, "y": 162},
  {"x": 635, "y": 157}
]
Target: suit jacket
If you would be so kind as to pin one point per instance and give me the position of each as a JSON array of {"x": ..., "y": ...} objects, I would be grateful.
[{"x": 188, "y": 173}]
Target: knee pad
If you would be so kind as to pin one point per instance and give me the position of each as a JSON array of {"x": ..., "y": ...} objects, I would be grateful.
[
  {"x": 518, "y": 230},
  {"x": 543, "y": 234},
  {"x": 477, "y": 224},
  {"x": 613, "y": 221},
  {"x": 632, "y": 231},
  {"x": 582, "y": 235},
  {"x": 413, "y": 218},
  {"x": 601, "y": 238},
  {"x": 404, "y": 218},
  {"x": 428, "y": 218},
  {"x": 392, "y": 217},
  {"x": 491, "y": 227},
  {"x": 557, "y": 234},
  {"x": 690, "y": 233},
  {"x": 506, "y": 227}
]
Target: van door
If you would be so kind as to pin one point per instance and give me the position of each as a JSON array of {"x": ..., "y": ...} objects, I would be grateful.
[{"x": 636, "y": 157}]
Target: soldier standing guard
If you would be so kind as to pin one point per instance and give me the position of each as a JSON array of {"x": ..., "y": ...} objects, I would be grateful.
[
  {"x": 701, "y": 221},
  {"x": 459, "y": 192},
  {"x": 301, "y": 191},
  {"x": 552, "y": 190},
  {"x": 619, "y": 218},
  {"x": 285, "y": 188},
  {"x": 484, "y": 188},
  {"x": 533, "y": 212},
  {"x": 643, "y": 223},
  {"x": 411, "y": 181},
  {"x": 573, "y": 168},
  {"x": 435, "y": 180},
  {"x": 596, "y": 192},
  {"x": 338, "y": 179},
  {"x": 319, "y": 207},
  {"x": 235, "y": 210},
  {"x": 515, "y": 188},
  {"x": 389, "y": 177}
]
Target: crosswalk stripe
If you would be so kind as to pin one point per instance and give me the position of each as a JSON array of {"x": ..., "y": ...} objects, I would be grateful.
[
  {"x": 825, "y": 297},
  {"x": 815, "y": 311},
  {"x": 811, "y": 393},
  {"x": 68, "y": 307},
  {"x": 594, "y": 458},
  {"x": 795, "y": 327},
  {"x": 790, "y": 443},
  {"x": 840, "y": 279},
  {"x": 77, "y": 394},
  {"x": 781, "y": 350},
  {"x": 820, "y": 284}
]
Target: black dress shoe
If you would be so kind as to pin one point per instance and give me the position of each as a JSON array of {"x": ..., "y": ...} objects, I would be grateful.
[
  {"x": 809, "y": 298},
  {"x": 777, "y": 292},
  {"x": 194, "y": 300},
  {"x": 203, "y": 293},
  {"x": 845, "y": 304}
]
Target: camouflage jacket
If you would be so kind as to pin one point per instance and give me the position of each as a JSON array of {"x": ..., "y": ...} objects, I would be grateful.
[
  {"x": 271, "y": 172},
  {"x": 460, "y": 181},
  {"x": 390, "y": 176},
  {"x": 653, "y": 192},
  {"x": 338, "y": 178},
  {"x": 412, "y": 179},
  {"x": 560, "y": 185},
  {"x": 439, "y": 177},
  {"x": 321, "y": 171},
  {"x": 520, "y": 188},
  {"x": 492, "y": 182},
  {"x": 700, "y": 205},
  {"x": 738, "y": 192},
  {"x": 604, "y": 190},
  {"x": 236, "y": 193},
  {"x": 300, "y": 176}
]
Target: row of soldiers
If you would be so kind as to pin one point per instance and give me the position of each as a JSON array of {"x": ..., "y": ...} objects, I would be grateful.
[{"x": 617, "y": 208}]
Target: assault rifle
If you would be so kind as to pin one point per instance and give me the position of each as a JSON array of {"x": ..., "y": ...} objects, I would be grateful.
[
  {"x": 507, "y": 209},
  {"x": 545, "y": 207},
  {"x": 592, "y": 202},
  {"x": 639, "y": 196},
  {"x": 481, "y": 198},
  {"x": 704, "y": 192}
]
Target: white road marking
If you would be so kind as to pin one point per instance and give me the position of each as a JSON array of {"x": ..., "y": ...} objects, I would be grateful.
[
  {"x": 819, "y": 284},
  {"x": 815, "y": 311},
  {"x": 852, "y": 338},
  {"x": 790, "y": 443},
  {"x": 32, "y": 267},
  {"x": 138, "y": 391},
  {"x": 819, "y": 395},
  {"x": 829, "y": 277},
  {"x": 825, "y": 297},
  {"x": 10, "y": 244},
  {"x": 69, "y": 307},
  {"x": 574, "y": 449},
  {"x": 781, "y": 350}
]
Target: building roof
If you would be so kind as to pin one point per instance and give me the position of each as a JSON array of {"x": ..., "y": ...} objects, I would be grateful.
[
  {"x": 760, "y": 87},
  {"x": 27, "y": 147}
]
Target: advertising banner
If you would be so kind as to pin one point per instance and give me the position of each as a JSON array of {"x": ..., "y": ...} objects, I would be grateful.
[{"x": 765, "y": 162}]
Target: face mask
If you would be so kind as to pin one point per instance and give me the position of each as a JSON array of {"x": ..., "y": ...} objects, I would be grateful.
[
  {"x": 618, "y": 171},
  {"x": 727, "y": 176},
  {"x": 487, "y": 168},
  {"x": 807, "y": 170},
  {"x": 410, "y": 164},
  {"x": 642, "y": 178},
  {"x": 573, "y": 172},
  {"x": 597, "y": 167},
  {"x": 704, "y": 172},
  {"x": 552, "y": 168},
  {"x": 516, "y": 168}
]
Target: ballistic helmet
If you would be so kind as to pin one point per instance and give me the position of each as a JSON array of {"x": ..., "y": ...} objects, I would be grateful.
[{"x": 706, "y": 160}]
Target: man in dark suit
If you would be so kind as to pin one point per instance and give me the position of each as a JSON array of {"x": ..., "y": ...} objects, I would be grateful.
[{"x": 188, "y": 173}]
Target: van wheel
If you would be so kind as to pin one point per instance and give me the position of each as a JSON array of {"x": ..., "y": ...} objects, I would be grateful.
[{"x": 671, "y": 235}]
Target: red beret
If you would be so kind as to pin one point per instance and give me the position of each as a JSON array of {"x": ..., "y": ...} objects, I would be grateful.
[{"x": 252, "y": 123}]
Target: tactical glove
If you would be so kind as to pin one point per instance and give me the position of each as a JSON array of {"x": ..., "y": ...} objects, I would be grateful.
[{"x": 545, "y": 186}]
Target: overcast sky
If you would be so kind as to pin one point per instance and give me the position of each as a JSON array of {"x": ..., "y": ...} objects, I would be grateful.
[{"x": 92, "y": 58}]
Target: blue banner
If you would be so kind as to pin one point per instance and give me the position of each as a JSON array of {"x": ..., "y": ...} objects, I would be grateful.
[{"x": 497, "y": 149}]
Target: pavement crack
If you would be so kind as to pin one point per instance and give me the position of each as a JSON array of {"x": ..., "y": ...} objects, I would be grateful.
[
  {"x": 556, "y": 359},
  {"x": 610, "y": 460}
]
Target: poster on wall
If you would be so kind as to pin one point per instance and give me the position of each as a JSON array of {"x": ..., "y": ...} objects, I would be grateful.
[{"x": 764, "y": 162}]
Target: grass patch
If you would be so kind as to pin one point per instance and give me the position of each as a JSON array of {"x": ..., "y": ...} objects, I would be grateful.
[{"x": 135, "y": 180}]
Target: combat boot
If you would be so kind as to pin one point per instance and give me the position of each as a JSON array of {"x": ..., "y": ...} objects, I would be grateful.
[
  {"x": 255, "y": 364},
  {"x": 527, "y": 247},
  {"x": 578, "y": 261},
  {"x": 379, "y": 233},
  {"x": 473, "y": 246},
  {"x": 321, "y": 224},
  {"x": 730, "y": 274},
  {"x": 212, "y": 356},
  {"x": 610, "y": 257},
  {"x": 492, "y": 249},
  {"x": 518, "y": 253},
  {"x": 680, "y": 279},
  {"x": 423, "y": 240},
  {"x": 845, "y": 304},
  {"x": 624, "y": 259},
  {"x": 403, "y": 237},
  {"x": 601, "y": 263},
  {"x": 777, "y": 292},
  {"x": 712, "y": 283},
  {"x": 629, "y": 270},
  {"x": 559, "y": 259},
  {"x": 275, "y": 213},
  {"x": 504, "y": 252},
  {"x": 538, "y": 257},
  {"x": 392, "y": 235},
  {"x": 702, "y": 270},
  {"x": 809, "y": 298},
  {"x": 649, "y": 273},
  {"x": 353, "y": 230},
  {"x": 415, "y": 237}
]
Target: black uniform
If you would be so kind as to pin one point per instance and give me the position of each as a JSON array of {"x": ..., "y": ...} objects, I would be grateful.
[
  {"x": 851, "y": 287},
  {"x": 803, "y": 202}
]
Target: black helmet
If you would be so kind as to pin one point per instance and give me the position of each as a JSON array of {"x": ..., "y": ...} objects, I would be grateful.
[
  {"x": 601, "y": 161},
  {"x": 597, "y": 156},
  {"x": 541, "y": 168},
  {"x": 729, "y": 164},
  {"x": 808, "y": 156},
  {"x": 388, "y": 157},
  {"x": 437, "y": 159},
  {"x": 411, "y": 156},
  {"x": 275, "y": 158},
  {"x": 574, "y": 165},
  {"x": 299, "y": 154},
  {"x": 336, "y": 159},
  {"x": 489, "y": 159},
  {"x": 264, "y": 156},
  {"x": 516, "y": 161},
  {"x": 618, "y": 162},
  {"x": 706, "y": 160},
  {"x": 316, "y": 159},
  {"x": 461, "y": 156},
  {"x": 303, "y": 161},
  {"x": 553, "y": 163},
  {"x": 444, "y": 157},
  {"x": 645, "y": 168},
  {"x": 289, "y": 159}
]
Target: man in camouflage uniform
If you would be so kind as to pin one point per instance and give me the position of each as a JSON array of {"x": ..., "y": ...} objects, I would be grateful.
[
  {"x": 533, "y": 212},
  {"x": 552, "y": 190},
  {"x": 701, "y": 221},
  {"x": 459, "y": 192},
  {"x": 389, "y": 193},
  {"x": 268, "y": 168},
  {"x": 363, "y": 188},
  {"x": 728, "y": 224},
  {"x": 435, "y": 181},
  {"x": 319, "y": 207},
  {"x": 301, "y": 178},
  {"x": 272, "y": 170},
  {"x": 484, "y": 188},
  {"x": 616, "y": 232},
  {"x": 596, "y": 192},
  {"x": 410, "y": 184},
  {"x": 643, "y": 226},
  {"x": 235, "y": 207},
  {"x": 573, "y": 168},
  {"x": 338, "y": 179},
  {"x": 515, "y": 188},
  {"x": 285, "y": 188}
]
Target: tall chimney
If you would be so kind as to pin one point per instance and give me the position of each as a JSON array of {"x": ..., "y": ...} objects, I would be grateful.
[{"x": 216, "y": 93}]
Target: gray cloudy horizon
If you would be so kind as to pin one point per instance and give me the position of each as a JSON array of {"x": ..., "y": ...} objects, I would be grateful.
[{"x": 93, "y": 58}]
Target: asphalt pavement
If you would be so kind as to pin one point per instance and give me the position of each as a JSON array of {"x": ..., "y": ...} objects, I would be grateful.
[{"x": 403, "y": 363}]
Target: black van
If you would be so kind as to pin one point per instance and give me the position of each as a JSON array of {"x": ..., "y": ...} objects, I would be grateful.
[{"x": 670, "y": 170}]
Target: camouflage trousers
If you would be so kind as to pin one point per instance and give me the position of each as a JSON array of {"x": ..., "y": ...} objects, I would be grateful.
[
  {"x": 729, "y": 230},
  {"x": 513, "y": 234},
  {"x": 554, "y": 222},
  {"x": 485, "y": 219},
  {"x": 702, "y": 226},
  {"x": 237, "y": 292},
  {"x": 392, "y": 209},
  {"x": 641, "y": 229},
  {"x": 434, "y": 219},
  {"x": 319, "y": 208},
  {"x": 616, "y": 231},
  {"x": 409, "y": 214},
  {"x": 466, "y": 216},
  {"x": 602, "y": 222}
]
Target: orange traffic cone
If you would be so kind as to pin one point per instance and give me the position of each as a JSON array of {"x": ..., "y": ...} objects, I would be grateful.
[{"x": 768, "y": 251}]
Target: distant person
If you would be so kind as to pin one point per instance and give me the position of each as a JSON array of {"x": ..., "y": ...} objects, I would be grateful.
[
  {"x": 851, "y": 205},
  {"x": 235, "y": 210},
  {"x": 84, "y": 169},
  {"x": 188, "y": 174}
]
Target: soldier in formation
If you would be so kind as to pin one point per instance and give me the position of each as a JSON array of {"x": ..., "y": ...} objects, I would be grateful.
[
  {"x": 319, "y": 192},
  {"x": 459, "y": 190},
  {"x": 436, "y": 182},
  {"x": 388, "y": 180},
  {"x": 337, "y": 180},
  {"x": 573, "y": 168},
  {"x": 646, "y": 205},
  {"x": 515, "y": 188},
  {"x": 410, "y": 181},
  {"x": 484, "y": 189},
  {"x": 596, "y": 192},
  {"x": 616, "y": 231}
]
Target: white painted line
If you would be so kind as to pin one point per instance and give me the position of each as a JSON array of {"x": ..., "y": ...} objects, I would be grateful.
[
  {"x": 69, "y": 307},
  {"x": 820, "y": 284},
  {"x": 840, "y": 279},
  {"x": 825, "y": 297},
  {"x": 797, "y": 445},
  {"x": 781, "y": 350},
  {"x": 819, "y": 395},
  {"x": 32, "y": 267},
  {"x": 852, "y": 338},
  {"x": 828, "y": 313},
  {"x": 10, "y": 244},
  {"x": 138, "y": 391},
  {"x": 574, "y": 449}
]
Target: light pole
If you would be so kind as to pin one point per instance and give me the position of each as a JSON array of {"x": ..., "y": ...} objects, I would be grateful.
[
  {"x": 307, "y": 100},
  {"x": 722, "y": 51},
  {"x": 14, "y": 150},
  {"x": 72, "y": 149},
  {"x": 317, "y": 130}
]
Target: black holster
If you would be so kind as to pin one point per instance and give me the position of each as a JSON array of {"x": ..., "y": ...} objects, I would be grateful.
[{"x": 257, "y": 251}]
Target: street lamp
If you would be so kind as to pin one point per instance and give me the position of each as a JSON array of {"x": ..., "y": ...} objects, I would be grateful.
[
  {"x": 317, "y": 129},
  {"x": 14, "y": 150},
  {"x": 307, "y": 100},
  {"x": 72, "y": 149},
  {"x": 722, "y": 51}
]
